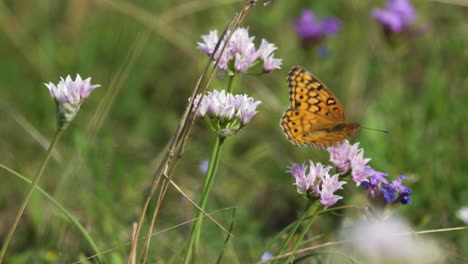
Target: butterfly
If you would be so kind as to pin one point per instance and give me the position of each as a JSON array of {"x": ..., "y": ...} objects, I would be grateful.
[{"x": 316, "y": 117}]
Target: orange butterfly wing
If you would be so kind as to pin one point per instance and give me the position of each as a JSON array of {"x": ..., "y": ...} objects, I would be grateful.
[{"x": 316, "y": 117}]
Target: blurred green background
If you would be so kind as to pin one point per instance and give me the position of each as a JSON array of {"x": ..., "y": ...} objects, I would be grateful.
[{"x": 143, "y": 54}]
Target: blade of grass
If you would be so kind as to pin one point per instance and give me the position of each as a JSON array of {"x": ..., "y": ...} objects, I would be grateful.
[
  {"x": 62, "y": 209},
  {"x": 228, "y": 237}
]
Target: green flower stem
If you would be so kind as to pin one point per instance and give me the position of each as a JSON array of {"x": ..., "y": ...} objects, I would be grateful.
[
  {"x": 231, "y": 81},
  {"x": 58, "y": 133},
  {"x": 313, "y": 212},
  {"x": 64, "y": 211},
  {"x": 293, "y": 231},
  {"x": 209, "y": 179}
]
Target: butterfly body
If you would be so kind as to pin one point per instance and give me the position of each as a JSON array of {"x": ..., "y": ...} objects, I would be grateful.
[{"x": 315, "y": 117}]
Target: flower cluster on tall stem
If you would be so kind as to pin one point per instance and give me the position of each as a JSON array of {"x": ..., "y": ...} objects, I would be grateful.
[
  {"x": 225, "y": 112},
  {"x": 68, "y": 95},
  {"x": 239, "y": 53}
]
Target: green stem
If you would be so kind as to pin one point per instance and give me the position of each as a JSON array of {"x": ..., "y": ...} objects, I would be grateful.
[
  {"x": 293, "y": 231},
  {"x": 313, "y": 209},
  {"x": 64, "y": 211},
  {"x": 209, "y": 179},
  {"x": 30, "y": 192},
  {"x": 231, "y": 81}
]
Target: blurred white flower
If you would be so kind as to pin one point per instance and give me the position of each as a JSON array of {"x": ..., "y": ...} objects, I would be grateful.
[
  {"x": 391, "y": 240},
  {"x": 462, "y": 213}
]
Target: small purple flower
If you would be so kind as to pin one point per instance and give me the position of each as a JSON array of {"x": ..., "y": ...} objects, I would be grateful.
[
  {"x": 396, "y": 16},
  {"x": 204, "y": 166},
  {"x": 350, "y": 157},
  {"x": 312, "y": 30},
  {"x": 209, "y": 42},
  {"x": 359, "y": 165},
  {"x": 327, "y": 198},
  {"x": 383, "y": 193},
  {"x": 244, "y": 60},
  {"x": 303, "y": 182},
  {"x": 226, "y": 110},
  {"x": 246, "y": 108},
  {"x": 69, "y": 95},
  {"x": 266, "y": 255},
  {"x": 317, "y": 182},
  {"x": 377, "y": 177},
  {"x": 241, "y": 50},
  {"x": 265, "y": 53}
]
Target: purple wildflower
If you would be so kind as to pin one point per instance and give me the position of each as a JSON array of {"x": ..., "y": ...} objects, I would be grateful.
[
  {"x": 383, "y": 193},
  {"x": 311, "y": 30},
  {"x": 327, "y": 198},
  {"x": 241, "y": 50},
  {"x": 317, "y": 182},
  {"x": 396, "y": 16},
  {"x": 328, "y": 187},
  {"x": 303, "y": 182},
  {"x": 226, "y": 109},
  {"x": 209, "y": 42},
  {"x": 350, "y": 157},
  {"x": 245, "y": 108},
  {"x": 265, "y": 53},
  {"x": 69, "y": 95}
]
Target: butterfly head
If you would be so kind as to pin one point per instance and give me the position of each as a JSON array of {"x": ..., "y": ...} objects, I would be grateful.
[{"x": 351, "y": 128}]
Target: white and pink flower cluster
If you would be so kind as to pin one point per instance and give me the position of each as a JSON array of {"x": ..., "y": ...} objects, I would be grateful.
[
  {"x": 69, "y": 95},
  {"x": 226, "y": 107},
  {"x": 240, "y": 52},
  {"x": 350, "y": 157},
  {"x": 317, "y": 182}
]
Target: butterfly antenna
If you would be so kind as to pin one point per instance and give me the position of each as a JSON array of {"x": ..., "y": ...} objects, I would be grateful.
[{"x": 378, "y": 130}]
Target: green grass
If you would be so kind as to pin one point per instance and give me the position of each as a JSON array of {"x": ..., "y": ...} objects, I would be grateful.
[{"x": 416, "y": 90}]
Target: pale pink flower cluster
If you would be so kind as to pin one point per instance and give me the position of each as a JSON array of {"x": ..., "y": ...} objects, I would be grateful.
[
  {"x": 69, "y": 95},
  {"x": 350, "y": 157},
  {"x": 317, "y": 182},
  {"x": 241, "y": 50},
  {"x": 227, "y": 107}
]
